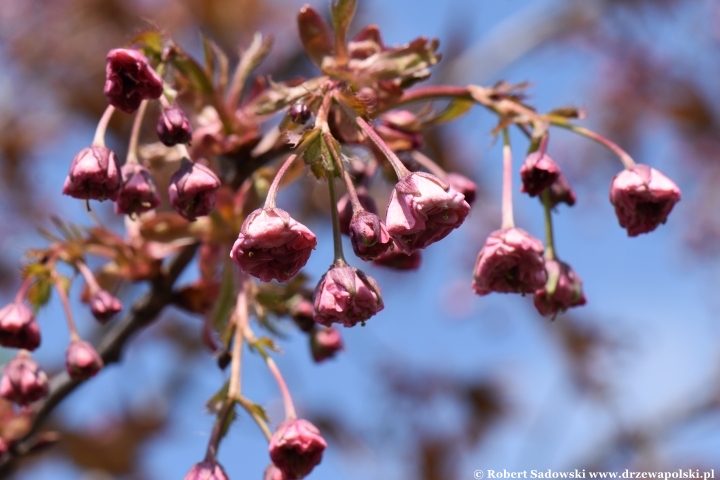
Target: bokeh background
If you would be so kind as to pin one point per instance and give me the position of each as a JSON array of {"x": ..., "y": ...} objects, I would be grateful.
[{"x": 442, "y": 382}]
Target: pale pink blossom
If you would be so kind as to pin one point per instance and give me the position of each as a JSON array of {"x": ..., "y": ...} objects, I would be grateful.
[
  {"x": 562, "y": 290},
  {"x": 296, "y": 448},
  {"x": 346, "y": 295}
]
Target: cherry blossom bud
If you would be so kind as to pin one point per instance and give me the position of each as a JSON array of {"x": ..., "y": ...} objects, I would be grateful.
[
  {"x": 510, "y": 262},
  {"x": 368, "y": 235},
  {"x": 422, "y": 210},
  {"x": 345, "y": 210},
  {"x": 299, "y": 113},
  {"x": 325, "y": 343},
  {"x": 130, "y": 79},
  {"x": 561, "y": 192},
  {"x": 173, "y": 127},
  {"x": 302, "y": 312},
  {"x": 104, "y": 305},
  {"x": 272, "y": 245},
  {"x": 562, "y": 290},
  {"x": 193, "y": 188},
  {"x": 346, "y": 295},
  {"x": 207, "y": 470},
  {"x": 138, "y": 193},
  {"x": 23, "y": 382},
  {"x": 463, "y": 185},
  {"x": 18, "y": 328},
  {"x": 643, "y": 198},
  {"x": 399, "y": 129},
  {"x": 94, "y": 175},
  {"x": 396, "y": 259},
  {"x": 273, "y": 473},
  {"x": 537, "y": 173},
  {"x": 296, "y": 448},
  {"x": 82, "y": 361}
]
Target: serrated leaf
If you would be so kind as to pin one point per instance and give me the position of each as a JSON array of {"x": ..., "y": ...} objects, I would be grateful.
[
  {"x": 232, "y": 416},
  {"x": 257, "y": 410},
  {"x": 150, "y": 43},
  {"x": 249, "y": 61},
  {"x": 317, "y": 156},
  {"x": 39, "y": 292},
  {"x": 191, "y": 70},
  {"x": 215, "y": 403},
  {"x": 315, "y": 34},
  {"x": 568, "y": 112},
  {"x": 343, "y": 12},
  {"x": 279, "y": 96},
  {"x": 268, "y": 343},
  {"x": 455, "y": 109}
]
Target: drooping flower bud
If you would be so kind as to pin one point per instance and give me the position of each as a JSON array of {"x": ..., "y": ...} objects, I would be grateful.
[
  {"x": 129, "y": 79},
  {"x": 562, "y": 290},
  {"x": 138, "y": 193},
  {"x": 302, "y": 313},
  {"x": 325, "y": 343},
  {"x": 561, "y": 192},
  {"x": 272, "y": 245},
  {"x": 537, "y": 173},
  {"x": 463, "y": 185},
  {"x": 23, "y": 382},
  {"x": 104, "y": 305},
  {"x": 296, "y": 448},
  {"x": 173, "y": 127},
  {"x": 18, "y": 328},
  {"x": 346, "y": 295},
  {"x": 345, "y": 210},
  {"x": 273, "y": 473},
  {"x": 422, "y": 210},
  {"x": 299, "y": 113},
  {"x": 368, "y": 235},
  {"x": 396, "y": 259},
  {"x": 94, "y": 175},
  {"x": 643, "y": 198},
  {"x": 207, "y": 470},
  {"x": 510, "y": 262},
  {"x": 193, "y": 189},
  {"x": 82, "y": 361}
]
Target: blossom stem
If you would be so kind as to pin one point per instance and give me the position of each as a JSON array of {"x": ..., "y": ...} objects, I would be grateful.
[
  {"x": 354, "y": 200},
  {"x": 321, "y": 118},
  {"x": 624, "y": 157},
  {"x": 272, "y": 193},
  {"x": 507, "y": 208},
  {"x": 74, "y": 336},
  {"x": 549, "y": 235},
  {"x": 428, "y": 164},
  {"x": 20, "y": 295},
  {"x": 397, "y": 165},
  {"x": 337, "y": 240},
  {"x": 135, "y": 133},
  {"x": 241, "y": 316},
  {"x": 99, "y": 139},
  {"x": 88, "y": 276},
  {"x": 287, "y": 399}
]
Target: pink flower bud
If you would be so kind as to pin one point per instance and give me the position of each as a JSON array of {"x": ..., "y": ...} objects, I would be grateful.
[
  {"x": 82, "y": 361},
  {"x": 562, "y": 290},
  {"x": 23, "y": 382},
  {"x": 302, "y": 312},
  {"x": 325, "y": 343},
  {"x": 173, "y": 127},
  {"x": 296, "y": 448},
  {"x": 94, "y": 175},
  {"x": 400, "y": 130},
  {"x": 396, "y": 259},
  {"x": 368, "y": 235},
  {"x": 104, "y": 305},
  {"x": 138, "y": 193},
  {"x": 18, "y": 328},
  {"x": 510, "y": 262},
  {"x": 272, "y": 245},
  {"x": 273, "y": 473},
  {"x": 643, "y": 198},
  {"x": 463, "y": 185},
  {"x": 561, "y": 192},
  {"x": 537, "y": 173},
  {"x": 299, "y": 113},
  {"x": 422, "y": 210},
  {"x": 345, "y": 210},
  {"x": 207, "y": 470},
  {"x": 346, "y": 295},
  {"x": 193, "y": 189},
  {"x": 130, "y": 79}
]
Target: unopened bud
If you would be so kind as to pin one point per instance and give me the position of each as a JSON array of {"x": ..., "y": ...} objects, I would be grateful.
[
  {"x": 193, "y": 189},
  {"x": 18, "y": 328},
  {"x": 138, "y": 193},
  {"x": 174, "y": 127},
  {"x": 207, "y": 470},
  {"x": 368, "y": 235},
  {"x": 94, "y": 175},
  {"x": 104, "y": 305},
  {"x": 23, "y": 381},
  {"x": 82, "y": 361},
  {"x": 325, "y": 343},
  {"x": 299, "y": 113}
]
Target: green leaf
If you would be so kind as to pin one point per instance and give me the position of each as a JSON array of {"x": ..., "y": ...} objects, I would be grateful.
[
  {"x": 215, "y": 403},
  {"x": 150, "y": 43},
  {"x": 568, "y": 112},
  {"x": 195, "y": 75},
  {"x": 209, "y": 55},
  {"x": 258, "y": 410},
  {"x": 232, "y": 416},
  {"x": 249, "y": 61},
  {"x": 343, "y": 12},
  {"x": 268, "y": 343},
  {"x": 316, "y": 36},
  {"x": 455, "y": 109},
  {"x": 39, "y": 292},
  {"x": 317, "y": 155}
]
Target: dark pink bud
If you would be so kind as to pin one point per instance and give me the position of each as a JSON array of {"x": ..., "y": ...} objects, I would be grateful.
[
  {"x": 561, "y": 192},
  {"x": 94, "y": 175},
  {"x": 463, "y": 185},
  {"x": 104, "y": 305},
  {"x": 129, "y": 79},
  {"x": 207, "y": 470},
  {"x": 173, "y": 127},
  {"x": 396, "y": 259},
  {"x": 422, "y": 210},
  {"x": 299, "y": 113},
  {"x": 562, "y": 290},
  {"x": 369, "y": 236},
  {"x": 296, "y": 448},
  {"x": 302, "y": 312},
  {"x": 510, "y": 262},
  {"x": 18, "y": 328},
  {"x": 346, "y": 295},
  {"x": 537, "y": 173},
  {"x": 82, "y": 360},
  {"x": 138, "y": 193},
  {"x": 325, "y": 343},
  {"x": 643, "y": 198},
  {"x": 345, "y": 211},
  {"x": 400, "y": 130},
  {"x": 23, "y": 382},
  {"x": 193, "y": 189},
  {"x": 272, "y": 245},
  {"x": 273, "y": 473}
]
